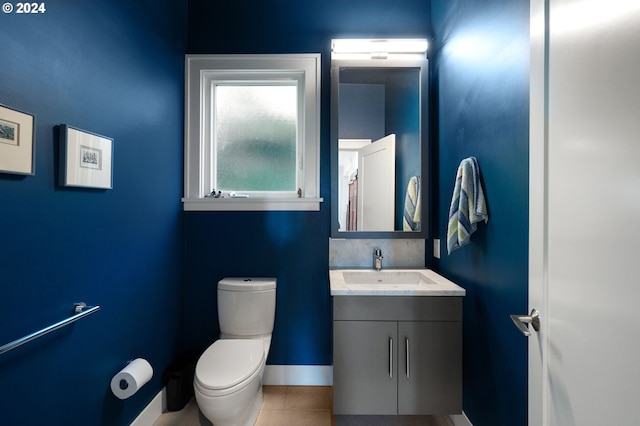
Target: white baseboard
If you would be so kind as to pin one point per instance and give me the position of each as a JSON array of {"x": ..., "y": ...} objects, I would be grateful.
[
  {"x": 460, "y": 420},
  {"x": 298, "y": 375},
  {"x": 151, "y": 412}
]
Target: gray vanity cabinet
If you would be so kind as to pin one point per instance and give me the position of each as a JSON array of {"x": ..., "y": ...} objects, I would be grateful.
[
  {"x": 397, "y": 355},
  {"x": 364, "y": 378},
  {"x": 430, "y": 381}
]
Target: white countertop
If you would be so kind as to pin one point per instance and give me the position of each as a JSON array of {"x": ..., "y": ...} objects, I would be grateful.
[{"x": 431, "y": 284}]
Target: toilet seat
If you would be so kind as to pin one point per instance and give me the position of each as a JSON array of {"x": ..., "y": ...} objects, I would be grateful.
[{"x": 228, "y": 364}]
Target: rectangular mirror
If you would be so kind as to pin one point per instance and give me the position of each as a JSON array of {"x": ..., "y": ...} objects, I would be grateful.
[{"x": 379, "y": 148}]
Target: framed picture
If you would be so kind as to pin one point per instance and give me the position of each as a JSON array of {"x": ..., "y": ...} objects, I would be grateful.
[
  {"x": 17, "y": 137},
  {"x": 86, "y": 159}
]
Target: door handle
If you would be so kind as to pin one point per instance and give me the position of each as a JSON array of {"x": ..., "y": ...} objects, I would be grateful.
[
  {"x": 391, "y": 358},
  {"x": 533, "y": 318},
  {"x": 408, "y": 359}
]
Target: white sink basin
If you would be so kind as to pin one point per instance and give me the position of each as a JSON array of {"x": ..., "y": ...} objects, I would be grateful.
[
  {"x": 391, "y": 282},
  {"x": 385, "y": 277}
]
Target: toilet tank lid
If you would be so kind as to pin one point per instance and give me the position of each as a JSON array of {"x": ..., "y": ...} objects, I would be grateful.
[{"x": 247, "y": 284}]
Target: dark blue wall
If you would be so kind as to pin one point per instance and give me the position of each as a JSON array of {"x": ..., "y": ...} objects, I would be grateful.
[
  {"x": 403, "y": 119},
  {"x": 361, "y": 111},
  {"x": 113, "y": 67},
  {"x": 290, "y": 246},
  {"x": 482, "y": 84}
]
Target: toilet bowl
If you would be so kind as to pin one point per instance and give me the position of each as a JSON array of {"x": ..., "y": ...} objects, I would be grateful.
[
  {"x": 228, "y": 375},
  {"x": 227, "y": 381}
]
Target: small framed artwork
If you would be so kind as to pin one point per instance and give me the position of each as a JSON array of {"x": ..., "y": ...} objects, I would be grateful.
[
  {"x": 17, "y": 142},
  {"x": 86, "y": 159}
]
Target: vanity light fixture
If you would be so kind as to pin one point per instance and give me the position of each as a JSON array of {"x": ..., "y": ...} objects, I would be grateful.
[{"x": 365, "y": 49}]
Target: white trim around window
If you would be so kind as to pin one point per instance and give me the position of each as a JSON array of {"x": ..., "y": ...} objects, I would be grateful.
[{"x": 304, "y": 69}]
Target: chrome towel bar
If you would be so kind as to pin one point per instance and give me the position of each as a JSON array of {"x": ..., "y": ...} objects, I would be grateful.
[{"x": 81, "y": 310}]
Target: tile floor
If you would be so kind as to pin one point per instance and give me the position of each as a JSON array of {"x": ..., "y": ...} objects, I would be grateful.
[
  {"x": 281, "y": 406},
  {"x": 298, "y": 406}
]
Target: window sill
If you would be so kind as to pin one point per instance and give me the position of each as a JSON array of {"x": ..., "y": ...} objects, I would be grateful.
[{"x": 251, "y": 204}]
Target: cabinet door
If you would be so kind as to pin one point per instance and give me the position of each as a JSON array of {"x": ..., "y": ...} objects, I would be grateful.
[
  {"x": 364, "y": 367},
  {"x": 430, "y": 373}
]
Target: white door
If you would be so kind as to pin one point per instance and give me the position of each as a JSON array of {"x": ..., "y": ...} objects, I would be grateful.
[
  {"x": 376, "y": 185},
  {"x": 584, "y": 364}
]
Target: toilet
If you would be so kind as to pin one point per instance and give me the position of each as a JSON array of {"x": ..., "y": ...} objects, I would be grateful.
[{"x": 228, "y": 376}]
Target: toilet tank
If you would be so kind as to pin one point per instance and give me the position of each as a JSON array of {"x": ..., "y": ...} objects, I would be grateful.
[{"x": 246, "y": 306}]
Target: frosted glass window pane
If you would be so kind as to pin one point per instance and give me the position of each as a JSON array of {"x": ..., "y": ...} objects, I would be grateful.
[{"x": 255, "y": 137}]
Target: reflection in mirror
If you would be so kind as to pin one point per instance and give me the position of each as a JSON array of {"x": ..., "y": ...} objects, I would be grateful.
[
  {"x": 379, "y": 132},
  {"x": 367, "y": 184}
]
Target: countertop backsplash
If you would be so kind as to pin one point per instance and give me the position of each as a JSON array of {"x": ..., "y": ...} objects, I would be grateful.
[{"x": 358, "y": 253}]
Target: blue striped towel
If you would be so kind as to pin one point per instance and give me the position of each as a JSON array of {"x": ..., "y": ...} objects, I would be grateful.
[
  {"x": 468, "y": 206},
  {"x": 412, "y": 206}
]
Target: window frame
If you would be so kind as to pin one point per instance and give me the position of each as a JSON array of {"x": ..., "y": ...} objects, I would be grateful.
[{"x": 204, "y": 70}]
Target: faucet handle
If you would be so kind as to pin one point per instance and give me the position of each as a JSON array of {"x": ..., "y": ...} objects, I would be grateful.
[{"x": 377, "y": 259}]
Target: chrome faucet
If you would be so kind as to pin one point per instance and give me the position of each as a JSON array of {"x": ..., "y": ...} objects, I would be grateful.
[{"x": 377, "y": 259}]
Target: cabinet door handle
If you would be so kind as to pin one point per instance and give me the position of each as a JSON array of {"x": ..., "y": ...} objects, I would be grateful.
[
  {"x": 406, "y": 340},
  {"x": 390, "y": 357}
]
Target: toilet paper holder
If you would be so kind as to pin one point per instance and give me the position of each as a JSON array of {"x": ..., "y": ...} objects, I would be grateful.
[{"x": 126, "y": 382}]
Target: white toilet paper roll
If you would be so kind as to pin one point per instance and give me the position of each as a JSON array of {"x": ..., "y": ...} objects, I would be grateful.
[{"x": 131, "y": 378}]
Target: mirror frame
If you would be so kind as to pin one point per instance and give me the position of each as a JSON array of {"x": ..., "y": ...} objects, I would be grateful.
[{"x": 423, "y": 66}]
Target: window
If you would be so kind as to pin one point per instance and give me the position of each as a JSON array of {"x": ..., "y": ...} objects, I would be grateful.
[
  {"x": 255, "y": 138},
  {"x": 252, "y": 132}
]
